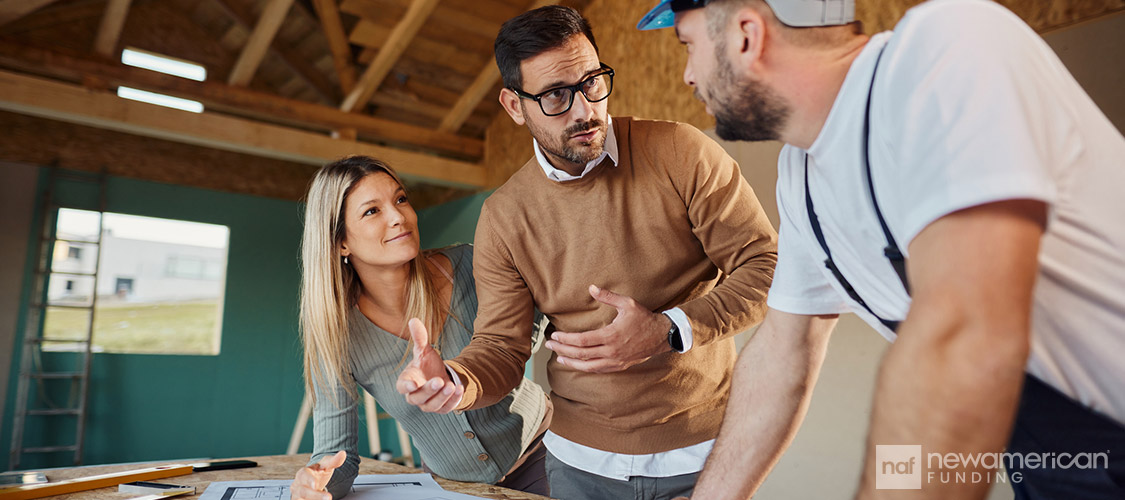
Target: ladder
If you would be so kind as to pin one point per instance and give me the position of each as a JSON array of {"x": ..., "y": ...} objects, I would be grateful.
[{"x": 33, "y": 369}]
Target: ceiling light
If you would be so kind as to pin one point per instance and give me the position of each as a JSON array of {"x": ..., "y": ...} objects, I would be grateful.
[
  {"x": 160, "y": 99},
  {"x": 164, "y": 64}
]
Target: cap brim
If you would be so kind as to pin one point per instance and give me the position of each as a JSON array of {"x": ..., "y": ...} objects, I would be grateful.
[{"x": 660, "y": 16}]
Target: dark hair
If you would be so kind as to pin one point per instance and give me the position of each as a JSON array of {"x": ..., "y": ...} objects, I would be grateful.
[{"x": 535, "y": 32}]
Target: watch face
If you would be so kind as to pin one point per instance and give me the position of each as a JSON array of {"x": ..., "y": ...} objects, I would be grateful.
[{"x": 674, "y": 340}]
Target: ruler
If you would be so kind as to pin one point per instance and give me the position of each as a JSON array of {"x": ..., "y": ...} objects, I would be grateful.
[{"x": 92, "y": 482}]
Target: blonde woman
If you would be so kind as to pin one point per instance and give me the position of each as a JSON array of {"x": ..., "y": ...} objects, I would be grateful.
[{"x": 363, "y": 279}]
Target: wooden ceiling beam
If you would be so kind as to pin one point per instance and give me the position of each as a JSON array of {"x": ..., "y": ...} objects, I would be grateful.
[
  {"x": 389, "y": 107},
  {"x": 395, "y": 45},
  {"x": 443, "y": 26},
  {"x": 78, "y": 147},
  {"x": 329, "y": 15},
  {"x": 10, "y": 10},
  {"x": 464, "y": 106},
  {"x": 477, "y": 17},
  {"x": 298, "y": 64},
  {"x": 75, "y": 67},
  {"x": 448, "y": 55},
  {"x": 89, "y": 149},
  {"x": 400, "y": 100},
  {"x": 109, "y": 31},
  {"x": 265, "y": 29},
  {"x": 74, "y": 104},
  {"x": 484, "y": 82}
]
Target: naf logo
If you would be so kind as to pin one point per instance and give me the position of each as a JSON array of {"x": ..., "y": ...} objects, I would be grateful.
[{"x": 899, "y": 467}]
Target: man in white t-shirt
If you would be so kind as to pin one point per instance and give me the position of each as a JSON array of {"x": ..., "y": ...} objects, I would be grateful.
[{"x": 953, "y": 185}]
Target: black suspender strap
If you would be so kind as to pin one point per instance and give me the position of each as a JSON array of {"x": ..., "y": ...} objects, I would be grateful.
[
  {"x": 891, "y": 251},
  {"x": 828, "y": 263}
]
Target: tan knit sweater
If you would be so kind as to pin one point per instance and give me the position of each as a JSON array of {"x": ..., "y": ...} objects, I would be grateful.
[{"x": 673, "y": 224}]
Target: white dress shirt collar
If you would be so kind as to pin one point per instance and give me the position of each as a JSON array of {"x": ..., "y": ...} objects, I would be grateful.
[{"x": 558, "y": 175}]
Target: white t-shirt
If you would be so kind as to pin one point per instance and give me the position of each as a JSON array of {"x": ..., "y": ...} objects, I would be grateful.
[{"x": 970, "y": 107}]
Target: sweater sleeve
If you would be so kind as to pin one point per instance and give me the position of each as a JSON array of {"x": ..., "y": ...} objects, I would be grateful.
[
  {"x": 335, "y": 428},
  {"x": 493, "y": 362},
  {"x": 729, "y": 222}
]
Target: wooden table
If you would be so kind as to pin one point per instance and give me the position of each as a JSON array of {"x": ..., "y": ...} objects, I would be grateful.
[{"x": 271, "y": 467}]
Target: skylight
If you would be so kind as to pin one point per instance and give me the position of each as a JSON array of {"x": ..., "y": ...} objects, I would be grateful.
[
  {"x": 164, "y": 64},
  {"x": 160, "y": 99}
]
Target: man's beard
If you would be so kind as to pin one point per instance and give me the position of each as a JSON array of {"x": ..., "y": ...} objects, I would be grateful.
[
  {"x": 560, "y": 146},
  {"x": 745, "y": 110}
]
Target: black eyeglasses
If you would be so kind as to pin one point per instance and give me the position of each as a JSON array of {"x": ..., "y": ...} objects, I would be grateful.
[{"x": 558, "y": 100}]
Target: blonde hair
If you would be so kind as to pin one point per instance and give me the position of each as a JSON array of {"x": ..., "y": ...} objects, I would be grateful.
[{"x": 330, "y": 288}]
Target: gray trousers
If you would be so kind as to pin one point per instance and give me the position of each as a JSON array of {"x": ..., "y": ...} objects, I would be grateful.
[{"x": 568, "y": 483}]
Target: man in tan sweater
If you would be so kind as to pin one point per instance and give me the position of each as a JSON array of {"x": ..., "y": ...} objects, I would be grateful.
[{"x": 642, "y": 244}]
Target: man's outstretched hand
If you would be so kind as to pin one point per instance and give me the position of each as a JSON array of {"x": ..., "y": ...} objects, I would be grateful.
[{"x": 425, "y": 381}]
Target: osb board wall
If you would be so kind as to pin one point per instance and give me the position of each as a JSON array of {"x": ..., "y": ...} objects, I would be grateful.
[
  {"x": 649, "y": 65},
  {"x": 1042, "y": 15}
]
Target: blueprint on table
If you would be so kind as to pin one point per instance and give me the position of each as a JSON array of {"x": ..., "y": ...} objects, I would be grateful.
[{"x": 366, "y": 487}]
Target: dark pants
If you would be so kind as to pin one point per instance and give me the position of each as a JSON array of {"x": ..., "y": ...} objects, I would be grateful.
[
  {"x": 531, "y": 475},
  {"x": 568, "y": 483},
  {"x": 1051, "y": 422}
]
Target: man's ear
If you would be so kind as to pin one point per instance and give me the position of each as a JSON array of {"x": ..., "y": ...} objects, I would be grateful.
[
  {"x": 749, "y": 37},
  {"x": 511, "y": 103}
]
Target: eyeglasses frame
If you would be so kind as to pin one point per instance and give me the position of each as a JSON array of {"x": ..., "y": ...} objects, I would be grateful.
[{"x": 574, "y": 89}]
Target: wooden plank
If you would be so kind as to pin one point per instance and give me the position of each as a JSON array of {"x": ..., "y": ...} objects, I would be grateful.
[
  {"x": 444, "y": 25},
  {"x": 236, "y": 99},
  {"x": 260, "y": 40},
  {"x": 47, "y": 21},
  {"x": 444, "y": 16},
  {"x": 469, "y": 100},
  {"x": 71, "y": 103},
  {"x": 409, "y": 104},
  {"x": 163, "y": 27},
  {"x": 10, "y": 10},
  {"x": 89, "y": 149},
  {"x": 492, "y": 12},
  {"x": 329, "y": 16},
  {"x": 448, "y": 55},
  {"x": 435, "y": 76},
  {"x": 109, "y": 31},
  {"x": 404, "y": 101},
  {"x": 298, "y": 64},
  {"x": 418, "y": 89},
  {"x": 400, "y": 37}
]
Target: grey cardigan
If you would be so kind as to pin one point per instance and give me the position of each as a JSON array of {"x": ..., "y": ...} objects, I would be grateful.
[{"x": 478, "y": 445}]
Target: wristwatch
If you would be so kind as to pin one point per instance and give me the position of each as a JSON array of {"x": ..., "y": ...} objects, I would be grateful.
[{"x": 675, "y": 341}]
